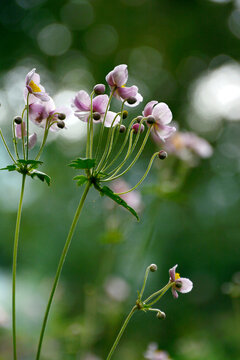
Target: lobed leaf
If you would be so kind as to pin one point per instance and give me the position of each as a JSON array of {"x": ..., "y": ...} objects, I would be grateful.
[
  {"x": 12, "y": 167},
  {"x": 41, "y": 176},
  {"x": 83, "y": 163},
  {"x": 81, "y": 179}
]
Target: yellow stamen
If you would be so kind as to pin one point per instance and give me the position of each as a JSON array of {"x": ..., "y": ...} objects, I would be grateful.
[
  {"x": 177, "y": 276},
  {"x": 34, "y": 87}
]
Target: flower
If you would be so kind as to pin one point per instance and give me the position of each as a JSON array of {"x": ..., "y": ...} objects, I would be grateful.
[
  {"x": 186, "y": 145},
  {"x": 182, "y": 285},
  {"x": 41, "y": 111},
  {"x": 116, "y": 79},
  {"x": 82, "y": 108},
  {"x": 153, "y": 353},
  {"x": 34, "y": 87},
  {"x": 160, "y": 115}
]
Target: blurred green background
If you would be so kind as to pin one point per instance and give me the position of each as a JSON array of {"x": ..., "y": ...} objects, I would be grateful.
[{"x": 185, "y": 53}]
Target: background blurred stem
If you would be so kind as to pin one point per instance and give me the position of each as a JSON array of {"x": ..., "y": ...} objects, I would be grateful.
[
  {"x": 60, "y": 266},
  {"x": 14, "y": 268}
]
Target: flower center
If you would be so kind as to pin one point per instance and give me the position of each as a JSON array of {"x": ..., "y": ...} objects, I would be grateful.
[
  {"x": 177, "y": 276},
  {"x": 34, "y": 87}
]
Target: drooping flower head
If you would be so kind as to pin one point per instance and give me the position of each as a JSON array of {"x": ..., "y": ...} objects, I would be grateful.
[
  {"x": 182, "y": 285},
  {"x": 187, "y": 145},
  {"x": 160, "y": 115},
  {"x": 34, "y": 87},
  {"x": 40, "y": 112},
  {"x": 117, "y": 79},
  {"x": 81, "y": 105}
]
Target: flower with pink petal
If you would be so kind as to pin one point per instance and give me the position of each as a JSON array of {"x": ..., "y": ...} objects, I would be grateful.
[
  {"x": 34, "y": 87},
  {"x": 81, "y": 105},
  {"x": 180, "y": 284},
  {"x": 116, "y": 79},
  {"x": 40, "y": 112},
  {"x": 159, "y": 116}
]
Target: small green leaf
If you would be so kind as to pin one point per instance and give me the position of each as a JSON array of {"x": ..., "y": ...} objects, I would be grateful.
[
  {"x": 81, "y": 179},
  {"x": 34, "y": 163},
  {"x": 83, "y": 163},
  {"x": 108, "y": 192},
  {"x": 41, "y": 176},
  {"x": 12, "y": 167}
]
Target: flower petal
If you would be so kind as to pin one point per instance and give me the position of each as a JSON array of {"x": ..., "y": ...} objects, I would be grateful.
[
  {"x": 100, "y": 103},
  {"x": 18, "y": 130},
  {"x": 38, "y": 113},
  {"x": 32, "y": 140},
  {"x": 162, "y": 113},
  {"x": 149, "y": 108},
  {"x": 120, "y": 75},
  {"x": 127, "y": 92},
  {"x": 174, "y": 292},
  {"x": 164, "y": 132},
  {"x": 110, "y": 118},
  {"x": 30, "y": 76},
  {"x": 186, "y": 285},
  {"x": 82, "y": 115},
  {"x": 172, "y": 273},
  {"x": 139, "y": 99},
  {"x": 82, "y": 101}
]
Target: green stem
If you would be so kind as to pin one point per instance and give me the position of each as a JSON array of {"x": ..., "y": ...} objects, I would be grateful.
[
  {"x": 7, "y": 148},
  {"x": 121, "y": 332},
  {"x": 27, "y": 123},
  {"x": 158, "y": 294},
  {"x": 44, "y": 141},
  {"x": 144, "y": 282},
  {"x": 15, "y": 140},
  {"x": 144, "y": 176},
  {"x": 91, "y": 127},
  {"x": 14, "y": 268},
  {"x": 60, "y": 266}
]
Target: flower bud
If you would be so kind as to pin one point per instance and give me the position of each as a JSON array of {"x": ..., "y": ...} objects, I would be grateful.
[
  {"x": 32, "y": 140},
  {"x": 125, "y": 114},
  {"x": 139, "y": 118},
  {"x": 99, "y": 89},
  {"x": 61, "y": 116},
  {"x": 60, "y": 124},
  {"x": 161, "y": 315},
  {"x": 122, "y": 129},
  {"x": 162, "y": 154},
  {"x": 131, "y": 100},
  {"x": 153, "y": 267},
  {"x": 151, "y": 120},
  {"x": 96, "y": 116},
  {"x": 18, "y": 120},
  {"x": 136, "y": 127}
]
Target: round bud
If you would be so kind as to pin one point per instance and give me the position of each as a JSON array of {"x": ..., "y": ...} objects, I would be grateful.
[
  {"x": 125, "y": 114},
  {"x": 161, "y": 315},
  {"x": 136, "y": 127},
  {"x": 153, "y": 267},
  {"x": 151, "y": 120},
  {"x": 60, "y": 124},
  {"x": 99, "y": 89},
  {"x": 18, "y": 120},
  {"x": 61, "y": 116},
  {"x": 96, "y": 116},
  {"x": 131, "y": 100},
  {"x": 162, "y": 154},
  {"x": 139, "y": 118},
  {"x": 122, "y": 129}
]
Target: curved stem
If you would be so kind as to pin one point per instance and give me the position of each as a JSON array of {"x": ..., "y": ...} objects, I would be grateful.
[
  {"x": 7, "y": 148},
  {"x": 144, "y": 176},
  {"x": 158, "y": 294},
  {"x": 121, "y": 332},
  {"x": 44, "y": 140},
  {"x": 60, "y": 266},
  {"x": 14, "y": 268},
  {"x": 144, "y": 282},
  {"x": 15, "y": 140}
]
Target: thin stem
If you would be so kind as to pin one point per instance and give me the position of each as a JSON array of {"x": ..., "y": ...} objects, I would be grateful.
[
  {"x": 112, "y": 177},
  {"x": 15, "y": 140},
  {"x": 121, "y": 332},
  {"x": 27, "y": 123},
  {"x": 144, "y": 282},
  {"x": 7, "y": 148},
  {"x": 60, "y": 266},
  {"x": 158, "y": 294},
  {"x": 91, "y": 127},
  {"x": 44, "y": 141},
  {"x": 14, "y": 268},
  {"x": 144, "y": 176},
  {"x": 23, "y": 142}
]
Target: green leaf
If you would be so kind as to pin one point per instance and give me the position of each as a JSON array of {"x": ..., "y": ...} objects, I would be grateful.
[
  {"x": 108, "y": 192},
  {"x": 83, "y": 163},
  {"x": 12, "y": 167},
  {"x": 41, "y": 176},
  {"x": 34, "y": 163},
  {"x": 81, "y": 179}
]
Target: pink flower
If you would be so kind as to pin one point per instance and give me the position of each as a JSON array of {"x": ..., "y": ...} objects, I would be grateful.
[
  {"x": 82, "y": 108},
  {"x": 161, "y": 115},
  {"x": 40, "y": 112},
  {"x": 153, "y": 353},
  {"x": 187, "y": 144},
  {"x": 182, "y": 285},
  {"x": 116, "y": 79},
  {"x": 34, "y": 87}
]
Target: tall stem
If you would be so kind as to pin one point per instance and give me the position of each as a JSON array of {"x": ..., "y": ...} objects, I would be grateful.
[
  {"x": 60, "y": 266},
  {"x": 14, "y": 268},
  {"x": 121, "y": 332}
]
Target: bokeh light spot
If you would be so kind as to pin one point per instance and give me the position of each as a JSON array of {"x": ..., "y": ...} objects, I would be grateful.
[
  {"x": 77, "y": 15},
  {"x": 54, "y": 39},
  {"x": 101, "y": 40}
]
